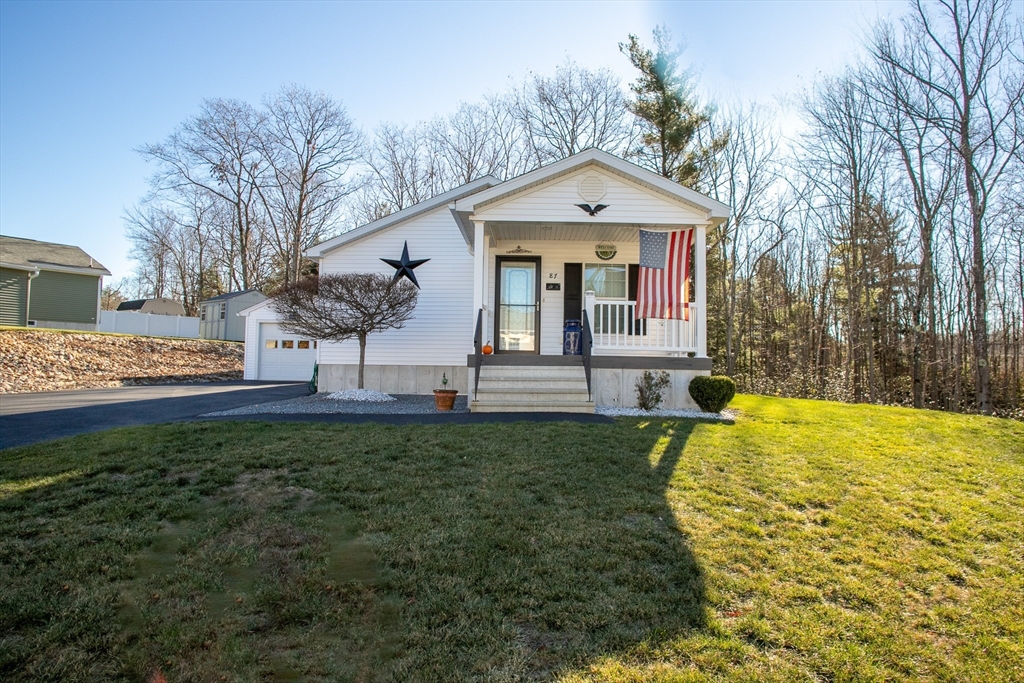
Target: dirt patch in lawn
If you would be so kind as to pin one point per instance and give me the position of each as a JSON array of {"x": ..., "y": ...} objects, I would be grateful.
[{"x": 43, "y": 360}]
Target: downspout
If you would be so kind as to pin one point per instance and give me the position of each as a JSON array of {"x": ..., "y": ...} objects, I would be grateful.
[
  {"x": 28, "y": 292},
  {"x": 99, "y": 298}
]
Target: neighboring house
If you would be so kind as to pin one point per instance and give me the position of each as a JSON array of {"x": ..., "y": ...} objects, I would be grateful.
[
  {"x": 218, "y": 316},
  {"x": 517, "y": 260},
  {"x": 159, "y": 306},
  {"x": 49, "y": 285}
]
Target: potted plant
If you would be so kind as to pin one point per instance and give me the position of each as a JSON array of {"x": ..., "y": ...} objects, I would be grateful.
[{"x": 444, "y": 398}]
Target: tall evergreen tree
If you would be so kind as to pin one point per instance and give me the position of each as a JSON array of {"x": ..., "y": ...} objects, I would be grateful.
[{"x": 669, "y": 113}]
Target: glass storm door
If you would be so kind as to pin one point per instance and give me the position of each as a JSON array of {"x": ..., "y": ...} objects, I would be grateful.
[{"x": 518, "y": 295}]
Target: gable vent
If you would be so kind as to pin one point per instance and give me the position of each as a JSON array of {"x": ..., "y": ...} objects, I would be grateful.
[{"x": 592, "y": 188}]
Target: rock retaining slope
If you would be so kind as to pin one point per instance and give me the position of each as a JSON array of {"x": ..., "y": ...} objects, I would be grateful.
[{"x": 46, "y": 360}]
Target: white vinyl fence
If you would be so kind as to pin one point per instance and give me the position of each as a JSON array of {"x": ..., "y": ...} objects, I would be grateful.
[{"x": 129, "y": 322}]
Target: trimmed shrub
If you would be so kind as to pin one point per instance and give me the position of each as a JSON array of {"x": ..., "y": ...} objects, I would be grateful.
[
  {"x": 649, "y": 388},
  {"x": 712, "y": 394}
]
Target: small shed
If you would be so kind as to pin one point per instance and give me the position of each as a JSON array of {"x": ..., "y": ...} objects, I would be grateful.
[
  {"x": 158, "y": 306},
  {"x": 218, "y": 316},
  {"x": 45, "y": 284}
]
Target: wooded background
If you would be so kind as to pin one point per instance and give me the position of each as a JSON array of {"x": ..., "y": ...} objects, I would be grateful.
[{"x": 876, "y": 255}]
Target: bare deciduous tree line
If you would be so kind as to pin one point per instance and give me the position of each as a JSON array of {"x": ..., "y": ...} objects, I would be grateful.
[
  {"x": 875, "y": 257},
  {"x": 880, "y": 258}
]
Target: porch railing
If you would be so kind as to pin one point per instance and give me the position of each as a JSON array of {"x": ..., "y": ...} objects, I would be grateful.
[{"x": 615, "y": 328}]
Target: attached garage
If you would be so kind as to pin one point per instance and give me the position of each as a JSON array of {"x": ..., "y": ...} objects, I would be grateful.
[{"x": 283, "y": 356}]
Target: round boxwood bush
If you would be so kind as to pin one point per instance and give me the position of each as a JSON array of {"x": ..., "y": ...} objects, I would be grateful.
[{"x": 712, "y": 393}]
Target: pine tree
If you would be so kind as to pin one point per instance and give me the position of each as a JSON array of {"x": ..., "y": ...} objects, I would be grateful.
[{"x": 669, "y": 112}]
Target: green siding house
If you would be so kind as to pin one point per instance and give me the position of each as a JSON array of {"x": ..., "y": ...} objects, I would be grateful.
[{"x": 49, "y": 285}]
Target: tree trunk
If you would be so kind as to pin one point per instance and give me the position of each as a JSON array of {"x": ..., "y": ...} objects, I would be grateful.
[
  {"x": 924, "y": 289},
  {"x": 982, "y": 388},
  {"x": 362, "y": 357}
]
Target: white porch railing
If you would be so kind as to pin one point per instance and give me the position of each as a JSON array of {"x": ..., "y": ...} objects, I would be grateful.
[{"x": 616, "y": 329}]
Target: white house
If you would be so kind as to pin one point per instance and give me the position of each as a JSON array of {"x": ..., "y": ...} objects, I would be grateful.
[{"x": 509, "y": 263}]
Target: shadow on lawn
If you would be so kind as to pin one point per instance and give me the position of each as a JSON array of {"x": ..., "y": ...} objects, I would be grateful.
[
  {"x": 566, "y": 552},
  {"x": 482, "y": 552}
]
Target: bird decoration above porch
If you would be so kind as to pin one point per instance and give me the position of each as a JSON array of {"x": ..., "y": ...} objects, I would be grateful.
[
  {"x": 592, "y": 210},
  {"x": 404, "y": 266}
]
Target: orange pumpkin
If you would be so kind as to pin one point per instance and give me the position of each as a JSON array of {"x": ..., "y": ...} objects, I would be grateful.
[{"x": 487, "y": 349}]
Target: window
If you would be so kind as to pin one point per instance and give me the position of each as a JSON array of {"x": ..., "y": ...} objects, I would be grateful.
[
  {"x": 303, "y": 344},
  {"x": 287, "y": 344},
  {"x": 606, "y": 280},
  {"x": 271, "y": 343},
  {"x": 314, "y": 343},
  {"x": 223, "y": 310},
  {"x": 202, "y": 314}
]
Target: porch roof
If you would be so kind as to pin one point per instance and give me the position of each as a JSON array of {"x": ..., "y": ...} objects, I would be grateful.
[{"x": 574, "y": 232}]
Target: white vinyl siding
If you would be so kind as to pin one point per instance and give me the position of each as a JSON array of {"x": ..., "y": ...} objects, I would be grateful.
[
  {"x": 441, "y": 330},
  {"x": 556, "y": 202}
]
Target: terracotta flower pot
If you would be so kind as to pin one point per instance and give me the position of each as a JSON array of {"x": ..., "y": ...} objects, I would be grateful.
[{"x": 444, "y": 399}]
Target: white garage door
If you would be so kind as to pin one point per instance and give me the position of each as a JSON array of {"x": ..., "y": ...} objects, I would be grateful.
[{"x": 284, "y": 356}]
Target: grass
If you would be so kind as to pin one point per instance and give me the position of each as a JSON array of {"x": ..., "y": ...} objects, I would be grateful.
[{"x": 807, "y": 541}]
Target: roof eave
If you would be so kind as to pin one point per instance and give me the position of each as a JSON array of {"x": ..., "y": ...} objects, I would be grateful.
[
  {"x": 18, "y": 266},
  {"x": 77, "y": 270},
  {"x": 318, "y": 251},
  {"x": 714, "y": 208}
]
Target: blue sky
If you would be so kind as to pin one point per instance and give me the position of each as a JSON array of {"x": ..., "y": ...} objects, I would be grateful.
[{"x": 83, "y": 84}]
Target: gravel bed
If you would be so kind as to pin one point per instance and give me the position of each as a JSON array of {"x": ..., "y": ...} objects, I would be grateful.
[
  {"x": 614, "y": 411},
  {"x": 367, "y": 395},
  {"x": 404, "y": 404}
]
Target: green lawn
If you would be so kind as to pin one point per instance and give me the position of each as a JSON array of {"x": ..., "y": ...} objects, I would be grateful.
[{"x": 809, "y": 541}]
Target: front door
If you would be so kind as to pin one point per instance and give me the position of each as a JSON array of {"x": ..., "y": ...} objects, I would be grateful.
[{"x": 517, "y": 301}]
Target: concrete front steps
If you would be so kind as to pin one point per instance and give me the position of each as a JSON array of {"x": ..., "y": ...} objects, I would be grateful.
[{"x": 532, "y": 389}]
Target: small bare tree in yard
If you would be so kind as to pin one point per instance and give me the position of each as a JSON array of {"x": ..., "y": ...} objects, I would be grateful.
[{"x": 347, "y": 306}]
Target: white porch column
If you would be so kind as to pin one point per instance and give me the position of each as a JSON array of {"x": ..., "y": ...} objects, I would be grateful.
[
  {"x": 701, "y": 285},
  {"x": 479, "y": 274}
]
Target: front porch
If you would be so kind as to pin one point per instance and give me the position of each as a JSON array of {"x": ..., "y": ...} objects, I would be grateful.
[
  {"x": 530, "y": 286},
  {"x": 563, "y": 244}
]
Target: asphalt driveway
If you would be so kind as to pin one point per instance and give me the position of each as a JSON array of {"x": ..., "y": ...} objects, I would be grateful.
[{"x": 31, "y": 418}]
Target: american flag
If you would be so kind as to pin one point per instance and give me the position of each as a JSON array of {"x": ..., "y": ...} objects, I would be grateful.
[{"x": 663, "y": 287}]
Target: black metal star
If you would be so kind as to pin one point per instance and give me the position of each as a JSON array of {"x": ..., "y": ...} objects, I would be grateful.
[{"x": 403, "y": 267}]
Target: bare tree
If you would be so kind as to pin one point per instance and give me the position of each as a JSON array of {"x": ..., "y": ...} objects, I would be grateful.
[
  {"x": 348, "y": 306},
  {"x": 177, "y": 236},
  {"x": 402, "y": 169},
  {"x": 467, "y": 144},
  {"x": 149, "y": 227},
  {"x": 111, "y": 297},
  {"x": 576, "y": 109},
  {"x": 741, "y": 175},
  {"x": 928, "y": 168},
  {"x": 971, "y": 83},
  {"x": 843, "y": 159},
  {"x": 219, "y": 151},
  {"x": 309, "y": 145}
]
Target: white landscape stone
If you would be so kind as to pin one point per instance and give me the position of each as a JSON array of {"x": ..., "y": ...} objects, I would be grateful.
[
  {"x": 364, "y": 395},
  {"x": 615, "y": 411}
]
